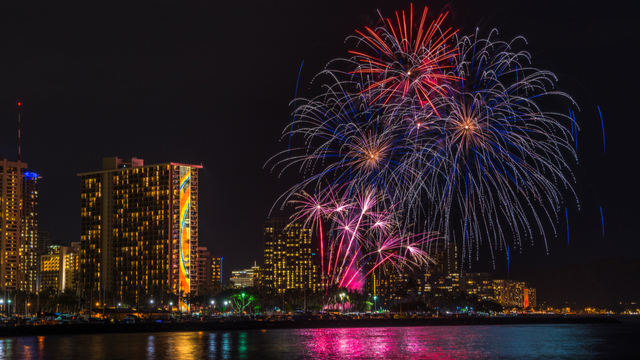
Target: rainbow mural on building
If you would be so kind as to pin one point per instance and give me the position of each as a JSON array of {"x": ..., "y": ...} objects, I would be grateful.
[{"x": 185, "y": 234}]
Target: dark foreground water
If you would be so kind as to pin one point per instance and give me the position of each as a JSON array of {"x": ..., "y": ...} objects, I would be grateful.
[{"x": 618, "y": 341}]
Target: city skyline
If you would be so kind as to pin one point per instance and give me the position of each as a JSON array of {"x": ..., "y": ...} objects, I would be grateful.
[{"x": 233, "y": 138}]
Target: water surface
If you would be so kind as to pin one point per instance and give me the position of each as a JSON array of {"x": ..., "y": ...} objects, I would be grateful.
[{"x": 617, "y": 341}]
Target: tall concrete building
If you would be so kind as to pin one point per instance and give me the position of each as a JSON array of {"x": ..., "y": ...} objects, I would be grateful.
[
  {"x": 204, "y": 267},
  {"x": 139, "y": 229},
  {"x": 479, "y": 284},
  {"x": 385, "y": 285},
  {"x": 19, "y": 253},
  {"x": 59, "y": 268},
  {"x": 444, "y": 275},
  {"x": 216, "y": 271},
  {"x": 514, "y": 293},
  {"x": 530, "y": 299},
  {"x": 208, "y": 268},
  {"x": 291, "y": 258}
]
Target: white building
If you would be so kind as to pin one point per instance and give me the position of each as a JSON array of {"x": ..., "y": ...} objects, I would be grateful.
[{"x": 244, "y": 278}]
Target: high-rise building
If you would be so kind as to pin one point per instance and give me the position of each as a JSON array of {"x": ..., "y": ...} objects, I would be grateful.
[
  {"x": 514, "y": 293},
  {"x": 208, "y": 269},
  {"x": 385, "y": 285},
  {"x": 291, "y": 258},
  {"x": 139, "y": 229},
  {"x": 479, "y": 284},
  {"x": 500, "y": 291},
  {"x": 58, "y": 268},
  {"x": 204, "y": 267},
  {"x": 444, "y": 275},
  {"x": 216, "y": 271},
  {"x": 19, "y": 253},
  {"x": 29, "y": 232},
  {"x": 530, "y": 298}
]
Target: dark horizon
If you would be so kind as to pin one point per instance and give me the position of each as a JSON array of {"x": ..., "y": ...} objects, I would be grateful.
[{"x": 212, "y": 84}]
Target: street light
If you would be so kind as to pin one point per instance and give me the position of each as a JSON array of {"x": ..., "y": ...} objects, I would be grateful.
[
  {"x": 375, "y": 305},
  {"x": 341, "y": 301}
]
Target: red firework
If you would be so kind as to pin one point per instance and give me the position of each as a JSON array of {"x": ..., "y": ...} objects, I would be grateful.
[{"x": 402, "y": 64}]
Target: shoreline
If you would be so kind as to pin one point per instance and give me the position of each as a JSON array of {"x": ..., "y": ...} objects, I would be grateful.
[{"x": 74, "y": 329}]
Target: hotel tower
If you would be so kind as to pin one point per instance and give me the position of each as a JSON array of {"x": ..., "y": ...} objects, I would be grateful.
[
  {"x": 291, "y": 257},
  {"x": 139, "y": 230},
  {"x": 19, "y": 252}
]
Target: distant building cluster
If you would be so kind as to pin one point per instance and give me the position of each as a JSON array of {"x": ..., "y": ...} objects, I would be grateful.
[
  {"x": 292, "y": 260},
  {"x": 139, "y": 237}
]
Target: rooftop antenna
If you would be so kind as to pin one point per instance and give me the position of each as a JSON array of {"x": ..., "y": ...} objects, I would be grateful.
[{"x": 19, "y": 104}]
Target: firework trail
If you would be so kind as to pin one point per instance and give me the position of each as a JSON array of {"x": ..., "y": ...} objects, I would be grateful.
[
  {"x": 604, "y": 149},
  {"x": 566, "y": 215},
  {"x": 602, "y": 218},
  {"x": 363, "y": 235},
  {"x": 392, "y": 65},
  {"x": 497, "y": 155},
  {"x": 429, "y": 132}
]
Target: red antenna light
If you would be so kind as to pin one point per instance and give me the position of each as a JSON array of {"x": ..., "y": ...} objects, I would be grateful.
[{"x": 19, "y": 104}]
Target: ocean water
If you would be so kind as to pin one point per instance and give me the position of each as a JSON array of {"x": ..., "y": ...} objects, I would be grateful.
[{"x": 616, "y": 341}]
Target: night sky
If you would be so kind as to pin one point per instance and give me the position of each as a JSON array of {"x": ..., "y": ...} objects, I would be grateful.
[{"x": 212, "y": 82}]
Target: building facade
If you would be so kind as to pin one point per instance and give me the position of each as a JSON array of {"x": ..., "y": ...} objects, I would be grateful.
[
  {"x": 59, "y": 268},
  {"x": 291, "y": 258},
  {"x": 204, "y": 267},
  {"x": 510, "y": 293},
  {"x": 19, "y": 252},
  {"x": 479, "y": 284},
  {"x": 216, "y": 271},
  {"x": 530, "y": 299},
  {"x": 139, "y": 229},
  {"x": 244, "y": 278},
  {"x": 208, "y": 269},
  {"x": 444, "y": 275}
]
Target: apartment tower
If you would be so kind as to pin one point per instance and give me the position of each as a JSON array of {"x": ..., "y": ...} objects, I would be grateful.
[
  {"x": 19, "y": 262},
  {"x": 139, "y": 230},
  {"x": 291, "y": 258}
]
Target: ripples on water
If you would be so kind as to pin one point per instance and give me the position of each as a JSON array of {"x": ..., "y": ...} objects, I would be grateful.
[{"x": 441, "y": 342}]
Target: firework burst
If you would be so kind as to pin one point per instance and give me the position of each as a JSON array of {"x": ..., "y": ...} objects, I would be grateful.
[{"x": 425, "y": 131}]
